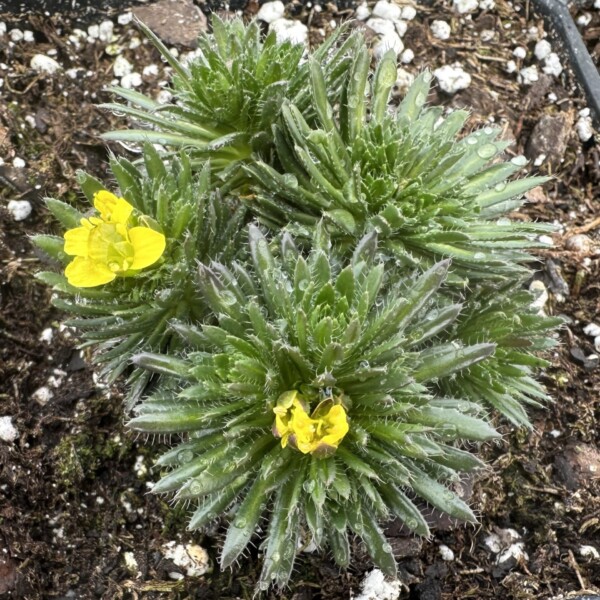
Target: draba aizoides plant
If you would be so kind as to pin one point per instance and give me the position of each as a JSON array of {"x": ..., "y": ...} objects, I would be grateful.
[
  {"x": 308, "y": 402},
  {"x": 401, "y": 172},
  {"x": 226, "y": 100},
  {"x": 130, "y": 263},
  {"x": 322, "y": 373}
]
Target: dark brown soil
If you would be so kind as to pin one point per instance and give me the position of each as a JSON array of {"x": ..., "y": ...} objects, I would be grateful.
[{"x": 73, "y": 487}]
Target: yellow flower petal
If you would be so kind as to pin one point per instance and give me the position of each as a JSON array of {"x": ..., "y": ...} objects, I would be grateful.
[
  {"x": 148, "y": 246},
  {"x": 83, "y": 272},
  {"x": 77, "y": 241},
  {"x": 111, "y": 208}
]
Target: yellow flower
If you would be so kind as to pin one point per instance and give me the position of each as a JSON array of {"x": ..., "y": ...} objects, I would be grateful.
[
  {"x": 319, "y": 434},
  {"x": 106, "y": 247}
]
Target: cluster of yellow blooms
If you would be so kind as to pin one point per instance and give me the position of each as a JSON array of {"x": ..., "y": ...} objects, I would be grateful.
[
  {"x": 319, "y": 433},
  {"x": 106, "y": 247}
]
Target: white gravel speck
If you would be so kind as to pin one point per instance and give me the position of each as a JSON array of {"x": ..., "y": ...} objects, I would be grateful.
[
  {"x": 191, "y": 557},
  {"x": 105, "y": 31},
  {"x": 164, "y": 96},
  {"x": 539, "y": 160},
  {"x": 44, "y": 64},
  {"x": 401, "y": 27},
  {"x": 271, "y": 11},
  {"x": 2, "y": 28},
  {"x": 47, "y": 335},
  {"x": 542, "y": 49},
  {"x": 516, "y": 551},
  {"x": 520, "y": 52},
  {"x": 404, "y": 79},
  {"x": 381, "y": 26},
  {"x": 387, "y": 10},
  {"x": 446, "y": 553},
  {"x": 375, "y": 587},
  {"x": 555, "y": 433},
  {"x": 408, "y": 13},
  {"x": 131, "y": 564},
  {"x": 592, "y": 329},
  {"x": 131, "y": 80},
  {"x": 528, "y": 75},
  {"x": 19, "y": 209},
  {"x": 552, "y": 65},
  {"x": 125, "y": 18},
  {"x": 511, "y": 66},
  {"x": 16, "y": 35},
  {"x": 8, "y": 432},
  {"x": 584, "y": 126},
  {"x": 486, "y": 4},
  {"x": 452, "y": 78},
  {"x": 290, "y": 30},
  {"x": 584, "y": 20},
  {"x": 597, "y": 4},
  {"x": 150, "y": 70},
  {"x": 440, "y": 30},
  {"x": 93, "y": 31},
  {"x": 546, "y": 239},
  {"x": 42, "y": 395},
  {"x": 463, "y": 7},
  {"x": 389, "y": 41},
  {"x": 533, "y": 33},
  {"x": 28, "y": 36},
  {"x": 122, "y": 67},
  {"x": 492, "y": 541},
  {"x": 407, "y": 56},
  {"x": 362, "y": 12},
  {"x": 140, "y": 468},
  {"x": 589, "y": 552},
  {"x": 487, "y": 35}
]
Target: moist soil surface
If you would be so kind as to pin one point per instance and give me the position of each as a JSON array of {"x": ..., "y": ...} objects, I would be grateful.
[{"x": 76, "y": 518}]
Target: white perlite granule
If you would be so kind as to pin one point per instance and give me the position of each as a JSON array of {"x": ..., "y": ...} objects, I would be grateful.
[
  {"x": 452, "y": 78},
  {"x": 440, "y": 30},
  {"x": 8, "y": 432},
  {"x": 19, "y": 209},
  {"x": 375, "y": 587}
]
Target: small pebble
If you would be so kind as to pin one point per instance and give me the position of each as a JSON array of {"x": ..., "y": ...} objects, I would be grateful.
[
  {"x": 589, "y": 552},
  {"x": 16, "y": 35},
  {"x": 375, "y": 586},
  {"x": 407, "y": 56},
  {"x": 19, "y": 209},
  {"x": 463, "y": 7},
  {"x": 440, "y": 30},
  {"x": 584, "y": 20},
  {"x": 520, "y": 52},
  {"x": 511, "y": 66},
  {"x": 592, "y": 330},
  {"x": 271, "y": 11},
  {"x": 408, "y": 13},
  {"x": 540, "y": 295},
  {"x": 122, "y": 67},
  {"x": 28, "y": 36},
  {"x": 192, "y": 558},
  {"x": 446, "y": 553},
  {"x": 452, "y": 78},
  {"x": 552, "y": 65},
  {"x": 387, "y": 10},
  {"x": 584, "y": 126},
  {"x": 362, "y": 12},
  {"x": 290, "y": 30},
  {"x": 542, "y": 49},
  {"x": 8, "y": 432},
  {"x": 487, "y": 4},
  {"x": 18, "y": 162},
  {"x": 42, "y": 395},
  {"x": 2, "y": 28},
  {"x": 528, "y": 75},
  {"x": 150, "y": 70},
  {"x": 44, "y": 64},
  {"x": 131, "y": 80},
  {"x": 47, "y": 335},
  {"x": 401, "y": 27},
  {"x": 487, "y": 35},
  {"x": 125, "y": 18},
  {"x": 105, "y": 31}
]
